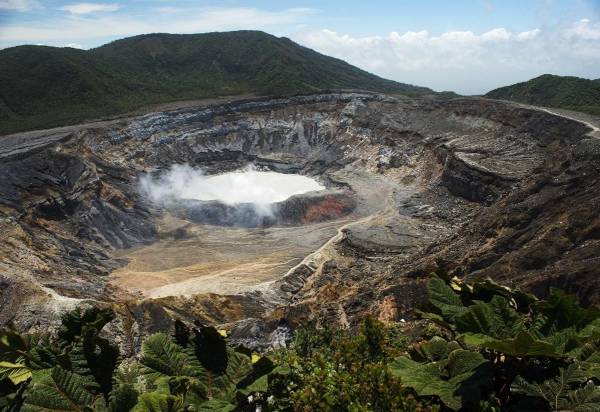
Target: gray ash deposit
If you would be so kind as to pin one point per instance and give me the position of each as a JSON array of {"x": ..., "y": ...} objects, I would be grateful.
[
  {"x": 469, "y": 187},
  {"x": 297, "y": 210}
]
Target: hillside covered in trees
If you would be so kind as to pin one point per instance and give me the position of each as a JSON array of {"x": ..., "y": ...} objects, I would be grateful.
[
  {"x": 48, "y": 86},
  {"x": 563, "y": 92}
]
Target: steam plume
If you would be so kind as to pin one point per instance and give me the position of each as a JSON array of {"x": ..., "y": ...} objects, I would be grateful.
[{"x": 240, "y": 187}]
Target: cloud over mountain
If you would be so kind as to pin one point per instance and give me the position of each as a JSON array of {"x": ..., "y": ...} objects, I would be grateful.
[{"x": 465, "y": 61}]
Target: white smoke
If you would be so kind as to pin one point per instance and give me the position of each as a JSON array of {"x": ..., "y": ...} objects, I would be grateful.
[{"x": 247, "y": 185}]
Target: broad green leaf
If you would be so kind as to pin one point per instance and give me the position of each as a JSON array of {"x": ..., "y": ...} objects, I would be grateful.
[
  {"x": 564, "y": 341},
  {"x": 425, "y": 380},
  {"x": 463, "y": 362},
  {"x": 257, "y": 380},
  {"x": 475, "y": 339},
  {"x": 259, "y": 385},
  {"x": 223, "y": 386},
  {"x": 77, "y": 359},
  {"x": 89, "y": 354},
  {"x": 563, "y": 311},
  {"x": 434, "y": 317},
  {"x": 469, "y": 372},
  {"x": 12, "y": 345},
  {"x": 524, "y": 344},
  {"x": 58, "y": 390},
  {"x": 45, "y": 355},
  {"x": 76, "y": 322},
  {"x": 495, "y": 318},
  {"x": 281, "y": 370},
  {"x": 436, "y": 349},
  {"x": 442, "y": 297},
  {"x": 454, "y": 381},
  {"x": 486, "y": 289}
]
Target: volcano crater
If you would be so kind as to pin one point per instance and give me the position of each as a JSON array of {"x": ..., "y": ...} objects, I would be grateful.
[{"x": 464, "y": 186}]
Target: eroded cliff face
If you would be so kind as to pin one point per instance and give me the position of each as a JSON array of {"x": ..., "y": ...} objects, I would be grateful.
[{"x": 472, "y": 187}]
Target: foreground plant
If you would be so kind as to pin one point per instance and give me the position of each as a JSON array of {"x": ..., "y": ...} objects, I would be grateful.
[
  {"x": 507, "y": 349},
  {"x": 492, "y": 348},
  {"x": 195, "y": 370},
  {"x": 340, "y": 371}
]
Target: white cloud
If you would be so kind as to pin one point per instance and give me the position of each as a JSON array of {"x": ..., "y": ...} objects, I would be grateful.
[
  {"x": 81, "y": 27},
  {"x": 465, "y": 61},
  {"x": 585, "y": 29},
  {"x": 528, "y": 35},
  {"x": 74, "y": 45},
  {"x": 18, "y": 5},
  {"x": 496, "y": 34},
  {"x": 87, "y": 8}
]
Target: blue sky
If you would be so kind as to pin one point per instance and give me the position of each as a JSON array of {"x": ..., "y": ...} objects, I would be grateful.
[{"x": 467, "y": 46}]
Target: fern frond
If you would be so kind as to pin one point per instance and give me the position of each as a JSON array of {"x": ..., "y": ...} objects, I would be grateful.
[
  {"x": 59, "y": 390},
  {"x": 16, "y": 372},
  {"x": 162, "y": 356}
]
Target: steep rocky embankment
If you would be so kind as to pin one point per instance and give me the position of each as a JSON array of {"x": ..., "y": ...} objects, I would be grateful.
[{"x": 472, "y": 187}]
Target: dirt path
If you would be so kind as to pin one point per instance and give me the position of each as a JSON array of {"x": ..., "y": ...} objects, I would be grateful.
[
  {"x": 593, "y": 122},
  {"x": 578, "y": 118}
]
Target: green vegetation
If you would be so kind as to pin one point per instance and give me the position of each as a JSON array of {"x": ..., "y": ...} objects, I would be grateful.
[
  {"x": 82, "y": 371},
  {"x": 477, "y": 347},
  {"x": 48, "y": 86},
  {"x": 572, "y": 93}
]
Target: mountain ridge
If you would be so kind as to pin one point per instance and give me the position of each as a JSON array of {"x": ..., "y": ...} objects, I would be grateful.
[
  {"x": 564, "y": 92},
  {"x": 42, "y": 86}
]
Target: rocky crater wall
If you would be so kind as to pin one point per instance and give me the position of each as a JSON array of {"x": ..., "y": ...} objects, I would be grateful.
[{"x": 468, "y": 186}]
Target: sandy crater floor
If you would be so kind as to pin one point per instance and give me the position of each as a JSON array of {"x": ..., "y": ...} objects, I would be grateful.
[{"x": 215, "y": 259}]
